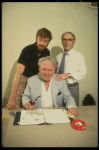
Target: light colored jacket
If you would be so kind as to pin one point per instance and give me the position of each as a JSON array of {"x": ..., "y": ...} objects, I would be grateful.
[{"x": 60, "y": 93}]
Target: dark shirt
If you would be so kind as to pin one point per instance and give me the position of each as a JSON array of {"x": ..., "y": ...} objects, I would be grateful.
[{"x": 29, "y": 57}]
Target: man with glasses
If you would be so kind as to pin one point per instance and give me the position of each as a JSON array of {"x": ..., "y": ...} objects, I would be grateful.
[
  {"x": 27, "y": 65},
  {"x": 71, "y": 65}
]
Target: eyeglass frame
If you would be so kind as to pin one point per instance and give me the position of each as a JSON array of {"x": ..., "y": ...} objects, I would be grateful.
[{"x": 69, "y": 40}]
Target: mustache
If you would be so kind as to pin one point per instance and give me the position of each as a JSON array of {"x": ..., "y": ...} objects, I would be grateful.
[{"x": 41, "y": 46}]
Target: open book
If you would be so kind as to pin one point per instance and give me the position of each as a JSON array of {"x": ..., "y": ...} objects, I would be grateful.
[{"x": 40, "y": 116}]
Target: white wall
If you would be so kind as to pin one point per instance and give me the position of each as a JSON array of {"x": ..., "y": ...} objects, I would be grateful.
[{"x": 20, "y": 22}]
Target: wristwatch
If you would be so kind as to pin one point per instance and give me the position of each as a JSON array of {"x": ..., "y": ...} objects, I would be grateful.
[{"x": 69, "y": 75}]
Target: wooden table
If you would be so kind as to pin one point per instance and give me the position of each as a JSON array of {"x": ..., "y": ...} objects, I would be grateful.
[{"x": 55, "y": 135}]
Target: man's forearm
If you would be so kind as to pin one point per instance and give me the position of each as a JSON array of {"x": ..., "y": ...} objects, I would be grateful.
[
  {"x": 12, "y": 101},
  {"x": 15, "y": 85}
]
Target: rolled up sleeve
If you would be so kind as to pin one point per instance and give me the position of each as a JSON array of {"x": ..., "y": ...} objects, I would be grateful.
[{"x": 81, "y": 71}]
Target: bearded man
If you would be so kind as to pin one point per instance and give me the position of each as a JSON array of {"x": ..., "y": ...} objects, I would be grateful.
[{"x": 27, "y": 66}]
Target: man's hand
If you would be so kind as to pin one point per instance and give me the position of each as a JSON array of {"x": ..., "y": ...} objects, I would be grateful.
[
  {"x": 72, "y": 111},
  {"x": 11, "y": 104},
  {"x": 61, "y": 77},
  {"x": 29, "y": 106}
]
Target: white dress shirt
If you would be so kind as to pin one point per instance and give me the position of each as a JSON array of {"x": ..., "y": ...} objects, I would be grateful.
[
  {"x": 46, "y": 97},
  {"x": 74, "y": 64}
]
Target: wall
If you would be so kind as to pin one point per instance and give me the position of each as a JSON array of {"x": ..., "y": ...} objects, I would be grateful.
[{"x": 20, "y": 22}]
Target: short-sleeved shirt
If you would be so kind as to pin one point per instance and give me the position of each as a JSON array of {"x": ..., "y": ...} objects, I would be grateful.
[{"x": 29, "y": 57}]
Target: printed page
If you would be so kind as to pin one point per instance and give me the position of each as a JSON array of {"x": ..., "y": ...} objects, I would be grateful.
[
  {"x": 29, "y": 117},
  {"x": 55, "y": 116}
]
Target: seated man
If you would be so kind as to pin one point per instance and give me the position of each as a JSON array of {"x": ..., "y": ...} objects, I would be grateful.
[{"x": 46, "y": 90}]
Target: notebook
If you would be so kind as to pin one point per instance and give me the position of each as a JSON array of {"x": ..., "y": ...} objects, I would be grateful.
[{"x": 40, "y": 116}]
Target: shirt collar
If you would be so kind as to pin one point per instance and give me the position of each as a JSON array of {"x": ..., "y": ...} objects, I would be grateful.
[
  {"x": 44, "y": 82},
  {"x": 70, "y": 52}
]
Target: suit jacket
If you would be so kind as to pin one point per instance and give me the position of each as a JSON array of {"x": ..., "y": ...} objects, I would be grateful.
[{"x": 60, "y": 92}]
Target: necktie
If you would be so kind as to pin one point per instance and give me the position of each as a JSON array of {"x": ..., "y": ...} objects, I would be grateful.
[{"x": 62, "y": 65}]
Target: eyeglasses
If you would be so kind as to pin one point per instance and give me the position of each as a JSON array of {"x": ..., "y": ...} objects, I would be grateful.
[{"x": 69, "y": 40}]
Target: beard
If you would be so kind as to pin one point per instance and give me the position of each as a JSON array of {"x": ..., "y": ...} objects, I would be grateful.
[{"x": 40, "y": 48}]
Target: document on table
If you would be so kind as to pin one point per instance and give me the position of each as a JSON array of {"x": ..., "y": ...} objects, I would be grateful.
[
  {"x": 55, "y": 116},
  {"x": 40, "y": 116},
  {"x": 29, "y": 117}
]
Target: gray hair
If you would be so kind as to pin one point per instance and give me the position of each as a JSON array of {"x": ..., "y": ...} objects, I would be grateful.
[
  {"x": 48, "y": 58},
  {"x": 74, "y": 38}
]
